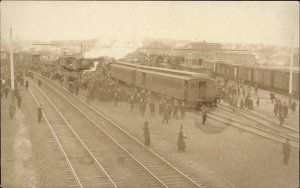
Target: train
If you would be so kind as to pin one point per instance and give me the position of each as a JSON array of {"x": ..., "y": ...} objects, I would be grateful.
[
  {"x": 271, "y": 78},
  {"x": 194, "y": 88}
]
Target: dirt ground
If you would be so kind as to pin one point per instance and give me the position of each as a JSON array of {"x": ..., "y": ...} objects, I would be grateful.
[
  {"x": 30, "y": 156},
  {"x": 217, "y": 155},
  {"x": 220, "y": 156}
]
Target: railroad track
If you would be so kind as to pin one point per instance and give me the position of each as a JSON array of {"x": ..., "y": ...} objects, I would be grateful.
[
  {"x": 257, "y": 117},
  {"x": 231, "y": 119},
  {"x": 165, "y": 173},
  {"x": 73, "y": 148},
  {"x": 262, "y": 123}
]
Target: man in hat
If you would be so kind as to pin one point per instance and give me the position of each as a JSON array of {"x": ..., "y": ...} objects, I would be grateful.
[
  {"x": 180, "y": 141},
  {"x": 286, "y": 150},
  {"x": 146, "y": 133}
]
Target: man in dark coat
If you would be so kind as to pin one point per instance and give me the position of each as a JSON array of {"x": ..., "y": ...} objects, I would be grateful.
[
  {"x": 39, "y": 83},
  {"x": 182, "y": 109},
  {"x": 146, "y": 134},
  {"x": 272, "y": 96},
  {"x": 294, "y": 104},
  {"x": 286, "y": 150},
  {"x": 204, "y": 115},
  {"x": 26, "y": 84},
  {"x": 281, "y": 118},
  {"x": 276, "y": 109},
  {"x": 175, "y": 110},
  {"x": 242, "y": 104},
  {"x": 39, "y": 113},
  {"x": 165, "y": 114},
  {"x": 152, "y": 107},
  {"x": 180, "y": 141},
  {"x": 257, "y": 102}
]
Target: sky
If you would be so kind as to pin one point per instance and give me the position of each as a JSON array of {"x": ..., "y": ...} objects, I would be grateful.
[{"x": 227, "y": 22}]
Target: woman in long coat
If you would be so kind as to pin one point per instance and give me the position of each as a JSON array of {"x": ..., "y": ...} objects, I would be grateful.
[
  {"x": 146, "y": 134},
  {"x": 180, "y": 141}
]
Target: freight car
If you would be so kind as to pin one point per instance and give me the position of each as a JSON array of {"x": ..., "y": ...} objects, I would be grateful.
[
  {"x": 194, "y": 88},
  {"x": 272, "y": 78},
  {"x": 195, "y": 68}
]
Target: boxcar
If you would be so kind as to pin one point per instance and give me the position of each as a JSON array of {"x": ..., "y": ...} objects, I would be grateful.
[
  {"x": 295, "y": 83},
  {"x": 258, "y": 76},
  {"x": 281, "y": 80}
]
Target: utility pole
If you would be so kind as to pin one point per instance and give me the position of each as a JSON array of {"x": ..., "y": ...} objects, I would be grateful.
[
  {"x": 291, "y": 75},
  {"x": 12, "y": 76}
]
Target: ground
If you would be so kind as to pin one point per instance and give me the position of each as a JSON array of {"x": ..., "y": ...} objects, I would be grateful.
[
  {"x": 29, "y": 155},
  {"x": 221, "y": 156}
]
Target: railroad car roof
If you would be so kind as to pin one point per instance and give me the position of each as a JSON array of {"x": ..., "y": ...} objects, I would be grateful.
[
  {"x": 118, "y": 65},
  {"x": 295, "y": 69},
  {"x": 192, "y": 74},
  {"x": 165, "y": 74}
]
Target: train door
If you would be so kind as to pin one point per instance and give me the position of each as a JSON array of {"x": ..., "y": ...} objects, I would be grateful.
[
  {"x": 185, "y": 89},
  {"x": 201, "y": 90},
  {"x": 192, "y": 91}
]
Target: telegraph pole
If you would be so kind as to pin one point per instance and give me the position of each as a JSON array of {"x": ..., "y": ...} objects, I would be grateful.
[
  {"x": 291, "y": 75},
  {"x": 12, "y": 76}
]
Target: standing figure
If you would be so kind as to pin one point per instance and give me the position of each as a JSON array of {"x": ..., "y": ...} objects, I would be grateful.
[
  {"x": 294, "y": 104},
  {"x": 132, "y": 102},
  {"x": 39, "y": 83},
  {"x": 26, "y": 84},
  {"x": 180, "y": 141},
  {"x": 6, "y": 91},
  {"x": 256, "y": 89},
  {"x": 281, "y": 118},
  {"x": 204, "y": 115},
  {"x": 12, "y": 110},
  {"x": 175, "y": 110},
  {"x": 257, "y": 102},
  {"x": 39, "y": 113},
  {"x": 146, "y": 134},
  {"x": 165, "y": 115},
  {"x": 285, "y": 109},
  {"x": 286, "y": 150},
  {"x": 275, "y": 109},
  {"x": 116, "y": 99},
  {"x": 182, "y": 110},
  {"x": 242, "y": 104},
  {"x": 272, "y": 96},
  {"x": 152, "y": 107}
]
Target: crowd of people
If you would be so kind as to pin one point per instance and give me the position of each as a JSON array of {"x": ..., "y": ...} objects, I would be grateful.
[
  {"x": 239, "y": 95},
  {"x": 153, "y": 59}
]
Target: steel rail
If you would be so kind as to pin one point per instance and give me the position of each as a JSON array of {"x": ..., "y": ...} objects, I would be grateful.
[
  {"x": 256, "y": 121},
  {"x": 247, "y": 129},
  {"x": 253, "y": 126},
  {"x": 76, "y": 135},
  {"x": 257, "y": 115},
  {"x": 128, "y": 134},
  {"x": 58, "y": 143}
]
